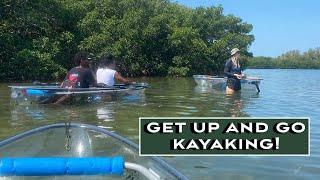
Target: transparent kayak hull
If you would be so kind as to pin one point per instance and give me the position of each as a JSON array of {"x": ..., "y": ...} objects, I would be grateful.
[
  {"x": 250, "y": 84},
  {"x": 82, "y": 140},
  {"x": 54, "y": 94}
]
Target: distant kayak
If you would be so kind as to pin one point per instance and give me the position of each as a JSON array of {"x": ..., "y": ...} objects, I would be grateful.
[
  {"x": 248, "y": 83},
  {"x": 51, "y": 94},
  {"x": 78, "y": 151}
]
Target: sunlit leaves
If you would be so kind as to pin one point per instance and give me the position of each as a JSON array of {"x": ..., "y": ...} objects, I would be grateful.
[{"x": 148, "y": 37}]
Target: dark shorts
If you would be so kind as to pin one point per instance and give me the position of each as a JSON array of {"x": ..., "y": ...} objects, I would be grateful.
[{"x": 234, "y": 84}]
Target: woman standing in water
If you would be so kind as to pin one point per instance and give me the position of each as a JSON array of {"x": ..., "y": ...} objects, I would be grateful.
[{"x": 233, "y": 72}]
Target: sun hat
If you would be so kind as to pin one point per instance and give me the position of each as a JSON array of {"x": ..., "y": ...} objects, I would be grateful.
[{"x": 234, "y": 51}]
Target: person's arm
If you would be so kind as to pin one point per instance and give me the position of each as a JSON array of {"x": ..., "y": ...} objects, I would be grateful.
[
  {"x": 118, "y": 77},
  {"x": 63, "y": 82},
  {"x": 227, "y": 68}
]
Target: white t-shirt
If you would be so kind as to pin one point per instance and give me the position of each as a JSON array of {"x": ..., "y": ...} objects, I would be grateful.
[{"x": 105, "y": 76}]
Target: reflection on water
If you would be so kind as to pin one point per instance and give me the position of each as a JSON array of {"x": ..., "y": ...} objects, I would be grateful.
[
  {"x": 233, "y": 104},
  {"x": 283, "y": 93},
  {"x": 105, "y": 114}
]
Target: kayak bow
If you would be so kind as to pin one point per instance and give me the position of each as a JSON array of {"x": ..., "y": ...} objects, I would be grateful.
[{"x": 42, "y": 152}]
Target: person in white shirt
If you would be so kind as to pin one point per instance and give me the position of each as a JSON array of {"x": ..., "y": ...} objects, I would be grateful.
[{"x": 106, "y": 75}]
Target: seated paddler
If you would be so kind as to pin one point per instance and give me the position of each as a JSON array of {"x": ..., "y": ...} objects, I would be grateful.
[
  {"x": 106, "y": 73},
  {"x": 80, "y": 76}
]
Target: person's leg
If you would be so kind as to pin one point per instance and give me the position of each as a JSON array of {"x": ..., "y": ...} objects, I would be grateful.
[
  {"x": 61, "y": 99},
  {"x": 230, "y": 86},
  {"x": 229, "y": 90}
]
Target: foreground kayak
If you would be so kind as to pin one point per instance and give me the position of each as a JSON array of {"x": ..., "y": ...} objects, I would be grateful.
[
  {"x": 78, "y": 151},
  {"x": 56, "y": 94},
  {"x": 249, "y": 83}
]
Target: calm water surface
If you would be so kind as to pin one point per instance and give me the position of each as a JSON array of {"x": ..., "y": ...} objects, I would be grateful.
[{"x": 283, "y": 93}]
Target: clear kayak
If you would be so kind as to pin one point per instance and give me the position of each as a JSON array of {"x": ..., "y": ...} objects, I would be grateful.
[
  {"x": 78, "y": 151},
  {"x": 249, "y": 83},
  {"x": 56, "y": 94}
]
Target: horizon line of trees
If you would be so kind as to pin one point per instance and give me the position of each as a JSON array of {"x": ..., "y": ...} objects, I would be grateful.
[
  {"x": 290, "y": 60},
  {"x": 38, "y": 39}
]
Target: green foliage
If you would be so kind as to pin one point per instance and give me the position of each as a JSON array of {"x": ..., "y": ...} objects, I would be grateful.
[
  {"x": 37, "y": 39},
  {"x": 40, "y": 66},
  {"x": 148, "y": 37},
  {"x": 289, "y": 60}
]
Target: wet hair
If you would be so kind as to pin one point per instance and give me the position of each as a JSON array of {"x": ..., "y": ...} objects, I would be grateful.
[
  {"x": 106, "y": 60},
  {"x": 79, "y": 57}
]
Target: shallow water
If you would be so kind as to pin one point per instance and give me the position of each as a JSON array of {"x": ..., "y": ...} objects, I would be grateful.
[{"x": 283, "y": 93}]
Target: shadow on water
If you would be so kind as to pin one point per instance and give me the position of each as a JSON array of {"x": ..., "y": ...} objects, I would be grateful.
[{"x": 225, "y": 105}]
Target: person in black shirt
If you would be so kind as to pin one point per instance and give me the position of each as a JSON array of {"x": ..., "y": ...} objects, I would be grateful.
[
  {"x": 80, "y": 76},
  {"x": 233, "y": 72}
]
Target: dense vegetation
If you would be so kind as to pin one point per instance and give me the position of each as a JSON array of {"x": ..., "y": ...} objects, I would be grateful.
[
  {"x": 149, "y": 37},
  {"x": 290, "y": 60}
]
